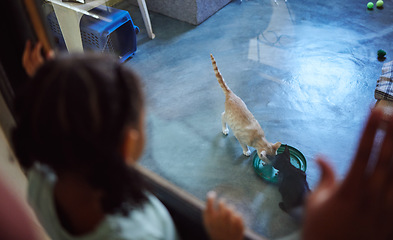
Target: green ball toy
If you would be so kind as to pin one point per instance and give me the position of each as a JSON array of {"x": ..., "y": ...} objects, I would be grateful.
[
  {"x": 381, "y": 53},
  {"x": 370, "y": 5},
  {"x": 379, "y": 3}
]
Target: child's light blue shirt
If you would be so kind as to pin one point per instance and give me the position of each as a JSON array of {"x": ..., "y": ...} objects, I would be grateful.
[{"x": 151, "y": 221}]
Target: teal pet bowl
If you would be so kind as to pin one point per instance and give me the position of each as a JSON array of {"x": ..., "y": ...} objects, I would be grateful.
[{"x": 268, "y": 173}]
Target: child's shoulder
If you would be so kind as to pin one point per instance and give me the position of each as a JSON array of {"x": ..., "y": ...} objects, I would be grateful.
[
  {"x": 151, "y": 221},
  {"x": 41, "y": 180},
  {"x": 40, "y": 173}
]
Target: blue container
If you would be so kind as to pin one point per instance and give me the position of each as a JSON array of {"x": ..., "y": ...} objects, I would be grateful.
[
  {"x": 114, "y": 33},
  {"x": 56, "y": 31}
]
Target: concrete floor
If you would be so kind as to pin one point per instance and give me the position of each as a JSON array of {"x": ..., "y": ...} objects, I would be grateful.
[{"x": 306, "y": 69}]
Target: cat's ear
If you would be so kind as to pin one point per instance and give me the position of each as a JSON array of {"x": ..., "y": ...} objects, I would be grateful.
[
  {"x": 286, "y": 150},
  {"x": 276, "y": 146}
]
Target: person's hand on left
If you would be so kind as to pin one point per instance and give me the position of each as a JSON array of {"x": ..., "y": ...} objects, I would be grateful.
[
  {"x": 221, "y": 221},
  {"x": 32, "y": 58}
]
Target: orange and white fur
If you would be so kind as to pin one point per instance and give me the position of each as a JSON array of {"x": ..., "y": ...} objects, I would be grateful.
[{"x": 243, "y": 124}]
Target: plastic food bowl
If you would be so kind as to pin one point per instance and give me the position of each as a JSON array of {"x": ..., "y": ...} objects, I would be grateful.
[{"x": 268, "y": 173}]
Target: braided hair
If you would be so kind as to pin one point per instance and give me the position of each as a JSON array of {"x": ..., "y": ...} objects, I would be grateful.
[{"x": 72, "y": 116}]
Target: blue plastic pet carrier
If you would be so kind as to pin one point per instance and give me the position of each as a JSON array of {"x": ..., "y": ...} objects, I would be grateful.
[{"x": 115, "y": 33}]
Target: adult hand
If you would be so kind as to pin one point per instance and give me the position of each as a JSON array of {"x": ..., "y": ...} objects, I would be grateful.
[
  {"x": 361, "y": 207},
  {"x": 32, "y": 58},
  {"x": 221, "y": 221}
]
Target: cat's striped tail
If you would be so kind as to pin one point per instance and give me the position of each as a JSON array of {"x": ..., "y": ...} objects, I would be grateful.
[{"x": 219, "y": 77}]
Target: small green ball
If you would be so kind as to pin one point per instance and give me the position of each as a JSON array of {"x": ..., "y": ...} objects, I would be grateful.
[
  {"x": 381, "y": 53},
  {"x": 379, "y": 3},
  {"x": 370, "y": 5}
]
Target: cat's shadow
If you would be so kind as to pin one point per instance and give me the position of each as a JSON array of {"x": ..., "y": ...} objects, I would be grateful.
[{"x": 227, "y": 147}]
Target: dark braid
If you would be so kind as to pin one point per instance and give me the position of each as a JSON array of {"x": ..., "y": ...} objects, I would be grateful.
[{"x": 73, "y": 115}]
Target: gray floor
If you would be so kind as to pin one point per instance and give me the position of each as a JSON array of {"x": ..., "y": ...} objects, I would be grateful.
[{"x": 306, "y": 69}]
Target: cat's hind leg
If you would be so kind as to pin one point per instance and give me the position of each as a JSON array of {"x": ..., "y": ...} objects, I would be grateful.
[{"x": 225, "y": 129}]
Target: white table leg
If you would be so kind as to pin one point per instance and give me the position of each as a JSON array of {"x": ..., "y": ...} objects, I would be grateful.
[
  {"x": 69, "y": 24},
  {"x": 146, "y": 18}
]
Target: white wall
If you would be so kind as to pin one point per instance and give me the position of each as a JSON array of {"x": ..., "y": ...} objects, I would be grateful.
[{"x": 10, "y": 172}]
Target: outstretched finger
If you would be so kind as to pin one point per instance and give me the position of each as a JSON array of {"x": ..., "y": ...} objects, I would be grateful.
[
  {"x": 328, "y": 178},
  {"x": 380, "y": 176},
  {"x": 385, "y": 168},
  {"x": 357, "y": 171},
  {"x": 50, "y": 54},
  {"x": 36, "y": 55},
  {"x": 210, "y": 199},
  {"x": 237, "y": 226},
  {"x": 222, "y": 206},
  {"x": 26, "y": 53}
]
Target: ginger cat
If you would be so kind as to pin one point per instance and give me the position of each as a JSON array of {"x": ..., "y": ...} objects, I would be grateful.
[{"x": 243, "y": 124}]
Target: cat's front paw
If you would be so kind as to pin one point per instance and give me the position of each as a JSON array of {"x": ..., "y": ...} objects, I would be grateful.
[
  {"x": 225, "y": 131},
  {"x": 247, "y": 153}
]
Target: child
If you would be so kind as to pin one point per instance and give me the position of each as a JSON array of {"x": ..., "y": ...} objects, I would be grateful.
[{"x": 80, "y": 131}]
